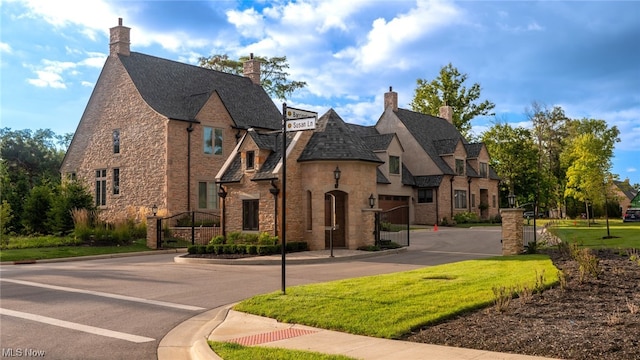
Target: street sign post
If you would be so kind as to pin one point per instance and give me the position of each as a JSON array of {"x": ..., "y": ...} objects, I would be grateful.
[{"x": 292, "y": 120}]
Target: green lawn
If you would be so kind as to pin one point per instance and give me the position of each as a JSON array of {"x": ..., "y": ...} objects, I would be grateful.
[
  {"x": 63, "y": 251},
  {"x": 231, "y": 351},
  {"x": 392, "y": 305},
  {"x": 625, "y": 235}
]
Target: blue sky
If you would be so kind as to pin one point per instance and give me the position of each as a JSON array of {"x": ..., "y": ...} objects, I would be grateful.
[{"x": 582, "y": 56}]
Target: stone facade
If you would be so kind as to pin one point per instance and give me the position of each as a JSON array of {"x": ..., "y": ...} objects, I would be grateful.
[{"x": 512, "y": 227}]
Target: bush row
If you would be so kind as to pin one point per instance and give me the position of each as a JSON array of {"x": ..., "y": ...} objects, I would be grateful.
[{"x": 246, "y": 249}]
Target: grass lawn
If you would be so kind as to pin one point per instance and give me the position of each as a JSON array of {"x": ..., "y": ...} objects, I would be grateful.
[
  {"x": 62, "y": 251},
  {"x": 231, "y": 351},
  {"x": 392, "y": 305},
  {"x": 625, "y": 235}
]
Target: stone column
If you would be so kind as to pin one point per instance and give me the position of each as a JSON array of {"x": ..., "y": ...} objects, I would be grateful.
[
  {"x": 152, "y": 232},
  {"x": 512, "y": 241}
]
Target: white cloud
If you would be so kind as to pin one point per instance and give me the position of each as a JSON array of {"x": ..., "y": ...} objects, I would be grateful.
[
  {"x": 385, "y": 38},
  {"x": 631, "y": 169},
  {"x": 5, "y": 48},
  {"x": 248, "y": 22}
]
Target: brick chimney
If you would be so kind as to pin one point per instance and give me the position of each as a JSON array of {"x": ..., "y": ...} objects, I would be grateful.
[
  {"x": 446, "y": 112},
  {"x": 251, "y": 69},
  {"x": 391, "y": 99},
  {"x": 119, "y": 40}
]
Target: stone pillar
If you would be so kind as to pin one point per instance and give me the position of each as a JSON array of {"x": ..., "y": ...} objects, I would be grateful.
[
  {"x": 152, "y": 232},
  {"x": 512, "y": 241}
]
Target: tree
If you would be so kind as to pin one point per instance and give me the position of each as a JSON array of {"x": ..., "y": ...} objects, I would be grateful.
[
  {"x": 513, "y": 156},
  {"x": 36, "y": 207},
  {"x": 549, "y": 132},
  {"x": 273, "y": 75},
  {"x": 70, "y": 195},
  {"x": 448, "y": 89},
  {"x": 588, "y": 152}
]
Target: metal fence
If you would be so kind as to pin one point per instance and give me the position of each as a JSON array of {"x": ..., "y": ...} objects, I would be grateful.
[
  {"x": 393, "y": 226},
  {"x": 193, "y": 227}
]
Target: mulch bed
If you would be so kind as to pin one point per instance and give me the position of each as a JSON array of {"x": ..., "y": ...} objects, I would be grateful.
[{"x": 593, "y": 319}]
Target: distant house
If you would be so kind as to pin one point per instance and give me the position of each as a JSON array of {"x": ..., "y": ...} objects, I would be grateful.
[
  {"x": 626, "y": 195},
  {"x": 159, "y": 132}
]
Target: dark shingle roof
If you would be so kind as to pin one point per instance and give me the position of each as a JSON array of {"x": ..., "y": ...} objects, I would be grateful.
[
  {"x": 332, "y": 140},
  {"x": 380, "y": 178},
  {"x": 627, "y": 189},
  {"x": 407, "y": 177},
  {"x": 445, "y": 146},
  {"x": 362, "y": 130},
  {"x": 428, "y": 181},
  {"x": 471, "y": 172},
  {"x": 427, "y": 130},
  {"x": 473, "y": 150},
  {"x": 378, "y": 142},
  {"x": 234, "y": 172},
  {"x": 178, "y": 91}
]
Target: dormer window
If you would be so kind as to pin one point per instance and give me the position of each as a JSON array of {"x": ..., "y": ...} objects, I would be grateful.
[
  {"x": 250, "y": 160},
  {"x": 394, "y": 165},
  {"x": 484, "y": 170},
  {"x": 460, "y": 167}
]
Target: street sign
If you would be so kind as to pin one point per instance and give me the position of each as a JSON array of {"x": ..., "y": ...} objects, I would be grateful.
[
  {"x": 293, "y": 113},
  {"x": 301, "y": 124}
]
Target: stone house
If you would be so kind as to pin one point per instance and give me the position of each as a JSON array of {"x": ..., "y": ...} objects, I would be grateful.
[
  {"x": 156, "y": 132},
  {"x": 405, "y": 159},
  {"x": 159, "y": 132}
]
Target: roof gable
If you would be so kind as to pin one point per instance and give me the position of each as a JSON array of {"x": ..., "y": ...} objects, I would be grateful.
[
  {"x": 178, "y": 91},
  {"x": 333, "y": 140}
]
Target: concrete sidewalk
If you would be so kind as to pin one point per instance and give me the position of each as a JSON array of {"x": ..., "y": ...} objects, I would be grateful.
[{"x": 189, "y": 340}]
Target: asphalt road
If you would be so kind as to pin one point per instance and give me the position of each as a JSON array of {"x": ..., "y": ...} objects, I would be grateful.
[{"x": 121, "y": 308}]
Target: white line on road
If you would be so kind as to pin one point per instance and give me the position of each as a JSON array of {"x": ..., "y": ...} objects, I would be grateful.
[
  {"x": 107, "y": 295},
  {"x": 74, "y": 326}
]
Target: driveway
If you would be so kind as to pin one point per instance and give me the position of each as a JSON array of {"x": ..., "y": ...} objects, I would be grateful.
[{"x": 121, "y": 308}]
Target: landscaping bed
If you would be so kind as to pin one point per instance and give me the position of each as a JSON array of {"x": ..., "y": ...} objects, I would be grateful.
[{"x": 596, "y": 318}]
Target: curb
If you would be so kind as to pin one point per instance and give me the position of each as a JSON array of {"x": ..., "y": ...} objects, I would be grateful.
[
  {"x": 276, "y": 260},
  {"x": 93, "y": 257},
  {"x": 188, "y": 340}
]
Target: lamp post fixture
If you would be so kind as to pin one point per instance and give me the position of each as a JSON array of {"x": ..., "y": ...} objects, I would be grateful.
[
  {"x": 372, "y": 201},
  {"x": 222, "y": 193},
  {"x": 336, "y": 175},
  {"x": 154, "y": 209},
  {"x": 512, "y": 200}
]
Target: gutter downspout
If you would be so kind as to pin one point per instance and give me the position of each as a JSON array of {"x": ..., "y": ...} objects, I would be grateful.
[
  {"x": 469, "y": 195},
  {"x": 452, "y": 199},
  {"x": 189, "y": 131}
]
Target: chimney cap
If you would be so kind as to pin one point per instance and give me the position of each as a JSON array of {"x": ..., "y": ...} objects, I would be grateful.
[{"x": 119, "y": 21}]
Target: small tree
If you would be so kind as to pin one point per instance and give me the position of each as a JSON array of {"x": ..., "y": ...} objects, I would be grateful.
[
  {"x": 5, "y": 219},
  {"x": 71, "y": 195},
  {"x": 448, "y": 89},
  {"x": 36, "y": 207},
  {"x": 273, "y": 75}
]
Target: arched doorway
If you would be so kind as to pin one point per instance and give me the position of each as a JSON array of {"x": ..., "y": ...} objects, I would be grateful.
[{"x": 339, "y": 238}]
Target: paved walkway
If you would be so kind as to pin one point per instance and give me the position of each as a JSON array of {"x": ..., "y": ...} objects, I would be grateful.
[{"x": 189, "y": 339}]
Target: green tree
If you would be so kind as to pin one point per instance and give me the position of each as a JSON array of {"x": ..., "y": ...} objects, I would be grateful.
[
  {"x": 587, "y": 156},
  {"x": 36, "y": 207},
  {"x": 513, "y": 156},
  {"x": 549, "y": 131},
  {"x": 273, "y": 74},
  {"x": 70, "y": 195},
  {"x": 448, "y": 89}
]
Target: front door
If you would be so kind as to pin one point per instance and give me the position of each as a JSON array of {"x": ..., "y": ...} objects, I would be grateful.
[{"x": 337, "y": 235}]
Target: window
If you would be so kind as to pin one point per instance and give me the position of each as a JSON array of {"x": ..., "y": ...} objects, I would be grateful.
[
  {"x": 72, "y": 176},
  {"x": 494, "y": 201},
  {"x": 459, "y": 167},
  {"x": 250, "y": 209},
  {"x": 484, "y": 170},
  {"x": 101, "y": 187},
  {"x": 460, "y": 199},
  {"x": 207, "y": 195},
  {"x": 394, "y": 164},
  {"x": 473, "y": 200},
  {"x": 212, "y": 141},
  {"x": 116, "y": 141},
  {"x": 250, "y": 159},
  {"x": 425, "y": 195},
  {"x": 116, "y": 181}
]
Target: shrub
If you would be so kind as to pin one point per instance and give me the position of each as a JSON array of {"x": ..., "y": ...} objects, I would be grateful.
[
  {"x": 465, "y": 217},
  {"x": 251, "y": 249},
  {"x": 234, "y": 237},
  {"x": 219, "y": 239},
  {"x": 5, "y": 217}
]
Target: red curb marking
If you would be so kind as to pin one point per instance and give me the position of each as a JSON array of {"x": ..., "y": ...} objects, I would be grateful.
[{"x": 271, "y": 336}]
